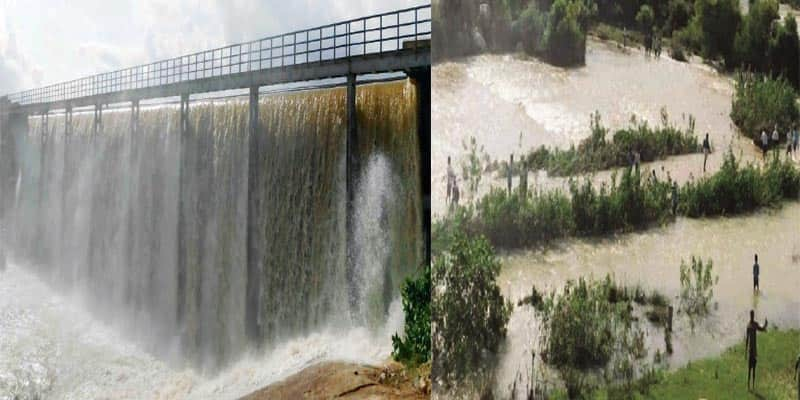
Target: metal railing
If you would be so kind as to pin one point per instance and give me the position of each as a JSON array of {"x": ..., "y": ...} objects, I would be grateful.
[{"x": 375, "y": 34}]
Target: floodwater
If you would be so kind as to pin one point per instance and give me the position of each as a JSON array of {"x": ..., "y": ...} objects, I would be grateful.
[
  {"x": 512, "y": 103},
  {"x": 109, "y": 297},
  {"x": 51, "y": 346},
  {"x": 652, "y": 259}
]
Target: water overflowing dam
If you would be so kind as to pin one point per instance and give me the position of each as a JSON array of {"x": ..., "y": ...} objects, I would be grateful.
[{"x": 96, "y": 212}]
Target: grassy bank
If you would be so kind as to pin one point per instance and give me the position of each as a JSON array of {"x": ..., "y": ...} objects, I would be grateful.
[
  {"x": 724, "y": 377},
  {"x": 598, "y": 152},
  {"x": 632, "y": 202}
]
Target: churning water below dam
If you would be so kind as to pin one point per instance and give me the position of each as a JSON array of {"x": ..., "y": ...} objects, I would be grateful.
[{"x": 128, "y": 274}]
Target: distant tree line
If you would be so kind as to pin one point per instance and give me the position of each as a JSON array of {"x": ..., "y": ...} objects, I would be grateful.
[{"x": 555, "y": 30}]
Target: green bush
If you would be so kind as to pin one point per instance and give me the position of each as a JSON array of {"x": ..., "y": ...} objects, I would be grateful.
[
  {"x": 784, "y": 51},
  {"x": 469, "y": 313},
  {"x": 555, "y": 30},
  {"x": 588, "y": 327},
  {"x": 759, "y": 103},
  {"x": 515, "y": 220},
  {"x": 717, "y": 22},
  {"x": 737, "y": 189},
  {"x": 565, "y": 33},
  {"x": 598, "y": 153},
  {"x": 529, "y": 29},
  {"x": 645, "y": 18},
  {"x": 629, "y": 203},
  {"x": 697, "y": 288},
  {"x": 415, "y": 347},
  {"x": 678, "y": 15},
  {"x": 752, "y": 40}
]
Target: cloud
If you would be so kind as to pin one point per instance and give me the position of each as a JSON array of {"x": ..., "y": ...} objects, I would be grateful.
[
  {"x": 16, "y": 72},
  {"x": 60, "y": 40}
]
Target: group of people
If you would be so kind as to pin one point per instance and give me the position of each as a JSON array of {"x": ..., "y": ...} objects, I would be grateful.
[{"x": 792, "y": 140}]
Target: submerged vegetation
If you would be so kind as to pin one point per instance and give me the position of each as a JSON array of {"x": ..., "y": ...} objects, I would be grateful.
[
  {"x": 414, "y": 348},
  {"x": 697, "y": 288},
  {"x": 592, "y": 335},
  {"x": 469, "y": 313},
  {"x": 597, "y": 152},
  {"x": 524, "y": 219}
]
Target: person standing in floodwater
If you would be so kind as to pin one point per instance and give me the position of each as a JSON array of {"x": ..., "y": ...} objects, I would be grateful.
[
  {"x": 675, "y": 198},
  {"x": 451, "y": 180},
  {"x": 456, "y": 195},
  {"x": 764, "y": 143},
  {"x": 523, "y": 178},
  {"x": 510, "y": 173},
  {"x": 756, "y": 271},
  {"x": 706, "y": 151},
  {"x": 750, "y": 346}
]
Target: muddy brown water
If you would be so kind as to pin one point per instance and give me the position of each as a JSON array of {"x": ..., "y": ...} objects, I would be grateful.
[{"x": 511, "y": 103}]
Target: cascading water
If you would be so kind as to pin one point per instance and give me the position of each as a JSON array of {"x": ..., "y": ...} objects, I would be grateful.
[{"x": 152, "y": 233}]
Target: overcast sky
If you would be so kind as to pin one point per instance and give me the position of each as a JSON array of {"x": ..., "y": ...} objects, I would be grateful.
[{"x": 50, "y": 41}]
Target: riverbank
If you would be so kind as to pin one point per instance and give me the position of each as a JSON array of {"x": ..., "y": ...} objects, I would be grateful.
[
  {"x": 723, "y": 377},
  {"x": 350, "y": 381}
]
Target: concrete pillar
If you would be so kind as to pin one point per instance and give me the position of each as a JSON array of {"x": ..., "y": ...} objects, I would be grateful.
[
  {"x": 42, "y": 254},
  {"x": 255, "y": 218},
  {"x": 131, "y": 194},
  {"x": 65, "y": 178},
  {"x": 352, "y": 169},
  {"x": 422, "y": 80},
  {"x": 98, "y": 120},
  {"x": 182, "y": 166}
]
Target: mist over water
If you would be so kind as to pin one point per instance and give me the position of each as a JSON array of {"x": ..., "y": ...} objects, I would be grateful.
[{"x": 96, "y": 221}]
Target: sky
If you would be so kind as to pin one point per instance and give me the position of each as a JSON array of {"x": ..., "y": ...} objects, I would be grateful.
[{"x": 50, "y": 41}]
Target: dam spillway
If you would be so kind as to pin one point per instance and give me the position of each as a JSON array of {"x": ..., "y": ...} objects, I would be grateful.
[{"x": 96, "y": 211}]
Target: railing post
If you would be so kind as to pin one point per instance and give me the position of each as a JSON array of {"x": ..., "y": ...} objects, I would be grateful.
[
  {"x": 255, "y": 217},
  {"x": 351, "y": 181}
]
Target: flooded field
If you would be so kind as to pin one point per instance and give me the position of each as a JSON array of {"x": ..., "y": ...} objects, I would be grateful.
[
  {"x": 652, "y": 259},
  {"x": 512, "y": 103}
]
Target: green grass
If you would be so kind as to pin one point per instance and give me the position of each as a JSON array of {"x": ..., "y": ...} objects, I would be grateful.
[{"x": 725, "y": 377}]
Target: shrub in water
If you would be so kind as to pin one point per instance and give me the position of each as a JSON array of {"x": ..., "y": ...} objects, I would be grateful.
[{"x": 469, "y": 313}]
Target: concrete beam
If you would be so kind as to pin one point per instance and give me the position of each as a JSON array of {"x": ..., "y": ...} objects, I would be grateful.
[{"x": 396, "y": 61}]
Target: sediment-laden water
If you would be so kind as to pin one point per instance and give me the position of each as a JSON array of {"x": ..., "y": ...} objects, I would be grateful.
[
  {"x": 652, "y": 259},
  {"x": 97, "y": 218},
  {"x": 512, "y": 103}
]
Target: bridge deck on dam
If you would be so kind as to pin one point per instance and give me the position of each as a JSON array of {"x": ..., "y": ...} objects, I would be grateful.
[{"x": 389, "y": 42}]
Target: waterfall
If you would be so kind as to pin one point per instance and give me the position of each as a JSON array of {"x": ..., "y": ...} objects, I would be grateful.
[{"x": 98, "y": 213}]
